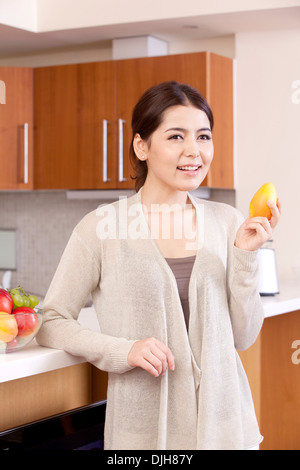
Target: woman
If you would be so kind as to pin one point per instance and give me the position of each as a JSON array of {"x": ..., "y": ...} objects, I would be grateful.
[{"x": 174, "y": 284}]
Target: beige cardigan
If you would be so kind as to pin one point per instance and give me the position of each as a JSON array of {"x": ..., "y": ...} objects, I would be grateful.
[{"x": 206, "y": 402}]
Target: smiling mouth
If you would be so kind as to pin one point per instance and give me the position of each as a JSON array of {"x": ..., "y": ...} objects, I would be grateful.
[{"x": 189, "y": 167}]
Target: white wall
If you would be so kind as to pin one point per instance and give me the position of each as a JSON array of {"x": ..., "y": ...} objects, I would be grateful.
[
  {"x": 86, "y": 13},
  {"x": 19, "y": 14},
  {"x": 268, "y": 131}
]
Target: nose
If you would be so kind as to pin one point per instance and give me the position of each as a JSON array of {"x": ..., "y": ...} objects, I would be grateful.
[{"x": 191, "y": 148}]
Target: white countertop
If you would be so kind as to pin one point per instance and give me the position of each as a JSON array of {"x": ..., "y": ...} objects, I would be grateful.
[
  {"x": 35, "y": 359},
  {"x": 288, "y": 300}
]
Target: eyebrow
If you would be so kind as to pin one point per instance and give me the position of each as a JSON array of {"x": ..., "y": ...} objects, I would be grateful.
[{"x": 181, "y": 129}]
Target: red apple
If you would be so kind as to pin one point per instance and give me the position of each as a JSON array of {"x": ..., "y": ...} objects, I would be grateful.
[
  {"x": 6, "y": 301},
  {"x": 27, "y": 324}
]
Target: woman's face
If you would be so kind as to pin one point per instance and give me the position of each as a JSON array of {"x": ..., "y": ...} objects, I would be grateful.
[{"x": 180, "y": 150}]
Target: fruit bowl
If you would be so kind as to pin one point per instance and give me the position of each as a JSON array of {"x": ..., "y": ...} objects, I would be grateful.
[{"x": 18, "y": 329}]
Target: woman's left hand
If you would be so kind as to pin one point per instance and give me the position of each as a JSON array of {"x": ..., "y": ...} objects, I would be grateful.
[{"x": 255, "y": 231}]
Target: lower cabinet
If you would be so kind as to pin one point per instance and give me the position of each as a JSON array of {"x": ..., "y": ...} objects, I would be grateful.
[
  {"x": 273, "y": 371},
  {"x": 42, "y": 395}
]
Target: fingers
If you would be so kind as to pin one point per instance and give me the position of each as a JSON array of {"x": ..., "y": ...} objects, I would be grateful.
[
  {"x": 253, "y": 233},
  {"x": 279, "y": 205},
  {"x": 167, "y": 354},
  {"x": 261, "y": 225},
  {"x": 151, "y": 355},
  {"x": 157, "y": 361},
  {"x": 275, "y": 211},
  {"x": 262, "y": 228}
]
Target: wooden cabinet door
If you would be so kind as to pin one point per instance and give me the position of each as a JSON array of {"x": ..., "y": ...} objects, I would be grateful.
[
  {"x": 74, "y": 105},
  {"x": 209, "y": 73},
  {"x": 16, "y": 128},
  {"x": 219, "y": 94}
]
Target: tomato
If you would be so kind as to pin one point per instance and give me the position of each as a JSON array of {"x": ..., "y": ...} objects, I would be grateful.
[
  {"x": 6, "y": 301},
  {"x": 27, "y": 324}
]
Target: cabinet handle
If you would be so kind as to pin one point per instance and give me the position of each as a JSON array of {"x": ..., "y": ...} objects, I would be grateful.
[
  {"x": 121, "y": 176},
  {"x": 105, "y": 179},
  {"x": 26, "y": 153}
]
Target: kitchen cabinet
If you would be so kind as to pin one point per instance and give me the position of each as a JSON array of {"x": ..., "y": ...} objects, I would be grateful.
[
  {"x": 38, "y": 396},
  {"x": 74, "y": 111},
  {"x": 16, "y": 129},
  {"x": 82, "y": 116},
  {"x": 275, "y": 381}
]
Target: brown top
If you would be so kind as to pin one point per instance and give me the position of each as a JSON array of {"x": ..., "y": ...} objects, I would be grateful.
[{"x": 182, "y": 269}]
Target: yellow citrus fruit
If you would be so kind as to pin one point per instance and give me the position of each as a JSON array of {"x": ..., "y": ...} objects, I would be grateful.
[{"x": 258, "y": 205}]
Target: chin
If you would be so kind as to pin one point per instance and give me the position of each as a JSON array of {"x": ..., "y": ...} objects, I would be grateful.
[
  {"x": 192, "y": 183},
  {"x": 190, "y": 186}
]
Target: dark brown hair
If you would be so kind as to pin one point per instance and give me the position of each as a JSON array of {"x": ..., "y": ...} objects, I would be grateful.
[{"x": 148, "y": 114}]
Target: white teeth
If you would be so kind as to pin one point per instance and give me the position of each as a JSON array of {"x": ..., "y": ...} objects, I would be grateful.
[{"x": 190, "y": 168}]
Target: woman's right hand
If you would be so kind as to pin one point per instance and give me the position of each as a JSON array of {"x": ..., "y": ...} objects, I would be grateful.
[{"x": 151, "y": 355}]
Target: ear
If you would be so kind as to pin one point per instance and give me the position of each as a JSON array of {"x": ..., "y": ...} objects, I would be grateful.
[{"x": 140, "y": 147}]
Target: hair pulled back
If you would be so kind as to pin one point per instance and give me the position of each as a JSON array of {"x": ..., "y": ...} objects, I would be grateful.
[{"x": 148, "y": 114}]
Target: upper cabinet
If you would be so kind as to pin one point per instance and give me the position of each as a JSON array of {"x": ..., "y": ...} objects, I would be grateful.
[
  {"x": 16, "y": 128},
  {"x": 74, "y": 114},
  {"x": 82, "y": 116},
  {"x": 82, "y": 119}
]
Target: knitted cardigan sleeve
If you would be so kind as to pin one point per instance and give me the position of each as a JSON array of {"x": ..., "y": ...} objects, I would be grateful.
[
  {"x": 78, "y": 275},
  {"x": 245, "y": 306}
]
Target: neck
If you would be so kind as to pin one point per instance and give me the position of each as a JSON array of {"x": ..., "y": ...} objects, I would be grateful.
[{"x": 164, "y": 196}]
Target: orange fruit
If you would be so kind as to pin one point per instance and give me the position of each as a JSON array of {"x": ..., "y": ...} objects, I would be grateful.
[
  {"x": 8, "y": 327},
  {"x": 258, "y": 205}
]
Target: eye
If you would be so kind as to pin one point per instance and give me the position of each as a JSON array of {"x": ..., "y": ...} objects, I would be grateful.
[
  {"x": 205, "y": 137},
  {"x": 175, "y": 137}
]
